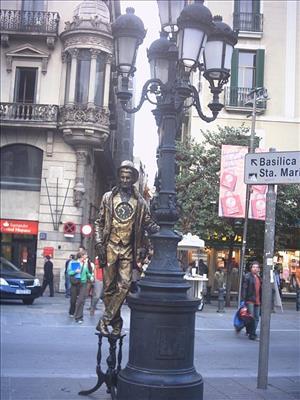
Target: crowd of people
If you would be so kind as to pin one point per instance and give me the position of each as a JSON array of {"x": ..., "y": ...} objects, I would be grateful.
[{"x": 84, "y": 280}]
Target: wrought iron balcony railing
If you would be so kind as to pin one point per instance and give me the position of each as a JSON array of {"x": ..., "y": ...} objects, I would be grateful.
[
  {"x": 28, "y": 112},
  {"x": 41, "y": 22},
  {"x": 248, "y": 22},
  {"x": 236, "y": 98}
]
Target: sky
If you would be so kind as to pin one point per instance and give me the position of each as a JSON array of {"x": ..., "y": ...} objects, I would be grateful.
[{"x": 145, "y": 130}]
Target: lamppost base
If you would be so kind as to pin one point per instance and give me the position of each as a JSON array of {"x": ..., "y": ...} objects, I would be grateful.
[{"x": 161, "y": 351}]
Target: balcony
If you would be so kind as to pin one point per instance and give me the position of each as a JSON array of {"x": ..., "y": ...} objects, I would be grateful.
[
  {"x": 28, "y": 115},
  {"x": 237, "y": 99},
  {"x": 84, "y": 124},
  {"x": 248, "y": 22},
  {"x": 30, "y": 23}
]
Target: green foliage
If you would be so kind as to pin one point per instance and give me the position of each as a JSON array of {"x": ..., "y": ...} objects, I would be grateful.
[{"x": 198, "y": 191}]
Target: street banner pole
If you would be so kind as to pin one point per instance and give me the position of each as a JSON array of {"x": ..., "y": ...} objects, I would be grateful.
[{"x": 263, "y": 361}]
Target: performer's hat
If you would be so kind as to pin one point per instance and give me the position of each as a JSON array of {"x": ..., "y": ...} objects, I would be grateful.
[{"x": 129, "y": 166}]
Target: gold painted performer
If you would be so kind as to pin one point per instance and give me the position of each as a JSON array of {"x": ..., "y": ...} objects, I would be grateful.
[{"x": 119, "y": 230}]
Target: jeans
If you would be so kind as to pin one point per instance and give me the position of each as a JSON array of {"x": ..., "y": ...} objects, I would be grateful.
[
  {"x": 80, "y": 302},
  {"x": 97, "y": 293},
  {"x": 254, "y": 310}
]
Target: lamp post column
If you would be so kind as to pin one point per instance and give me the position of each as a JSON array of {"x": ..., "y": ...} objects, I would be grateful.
[{"x": 162, "y": 325}]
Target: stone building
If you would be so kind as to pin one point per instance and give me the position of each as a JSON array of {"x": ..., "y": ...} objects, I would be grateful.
[{"x": 60, "y": 132}]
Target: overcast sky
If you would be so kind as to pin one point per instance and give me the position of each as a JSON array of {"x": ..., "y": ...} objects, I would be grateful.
[{"x": 145, "y": 130}]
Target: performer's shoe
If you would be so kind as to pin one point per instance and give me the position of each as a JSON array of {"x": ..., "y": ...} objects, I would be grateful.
[
  {"x": 102, "y": 328},
  {"x": 116, "y": 332},
  {"x": 117, "y": 327}
]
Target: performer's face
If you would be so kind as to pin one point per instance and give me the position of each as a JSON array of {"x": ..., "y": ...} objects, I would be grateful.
[{"x": 125, "y": 179}]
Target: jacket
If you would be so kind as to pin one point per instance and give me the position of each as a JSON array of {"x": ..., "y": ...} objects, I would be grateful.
[
  {"x": 143, "y": 220},
  {"x": 248, "y": 288}
]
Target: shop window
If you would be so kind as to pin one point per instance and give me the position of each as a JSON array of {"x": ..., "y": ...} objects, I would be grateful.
[
  {"x": 83, "y": 76},
  {"x": 21, "y": 167},
  {"x": 100, "y": 77}
]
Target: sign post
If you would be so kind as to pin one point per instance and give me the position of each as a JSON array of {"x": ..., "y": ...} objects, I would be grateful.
[
  {"x": 263, "y": 360},
  {"x": 269, "y": 169}
]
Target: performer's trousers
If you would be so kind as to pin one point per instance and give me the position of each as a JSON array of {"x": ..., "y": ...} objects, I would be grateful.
[{"x": 117, "y": 276}]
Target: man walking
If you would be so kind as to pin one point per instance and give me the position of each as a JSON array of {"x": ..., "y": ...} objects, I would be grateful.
[
  {"x": 119, "y": 229},
  {"x": 48, "y": 276},
  {"x": 251, "y": 295}
]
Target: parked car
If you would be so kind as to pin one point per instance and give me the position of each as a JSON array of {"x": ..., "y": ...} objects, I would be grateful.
[{"x": 16, "y": 284}]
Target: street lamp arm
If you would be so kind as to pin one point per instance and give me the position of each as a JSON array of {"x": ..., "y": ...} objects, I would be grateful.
[
  {"x": 198, "y": 107},
  {"x": 151, "y": 86}
]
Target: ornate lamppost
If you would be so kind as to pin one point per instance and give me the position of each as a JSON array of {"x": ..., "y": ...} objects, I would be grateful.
[{"x": 161, "y": 345}]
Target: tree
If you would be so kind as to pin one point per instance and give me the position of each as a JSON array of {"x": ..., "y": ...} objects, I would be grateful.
[{"x": 198, "y": 193}]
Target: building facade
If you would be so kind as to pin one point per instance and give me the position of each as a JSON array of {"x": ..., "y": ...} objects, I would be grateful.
[
  {"x": 59, "y": 127},
  {"x": 266, "y": 55}
]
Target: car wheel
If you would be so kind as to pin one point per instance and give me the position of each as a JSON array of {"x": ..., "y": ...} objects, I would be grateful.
[{"x": 28, "y": 301}]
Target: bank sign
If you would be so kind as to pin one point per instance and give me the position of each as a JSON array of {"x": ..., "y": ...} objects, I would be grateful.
[{"x": 272, "y": 168}]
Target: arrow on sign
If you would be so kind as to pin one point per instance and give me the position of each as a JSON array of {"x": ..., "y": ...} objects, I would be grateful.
[{"x": 254, "y": 162}]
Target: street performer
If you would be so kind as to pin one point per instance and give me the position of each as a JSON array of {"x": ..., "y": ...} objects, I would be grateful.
[{"x": 119, "y": 230}]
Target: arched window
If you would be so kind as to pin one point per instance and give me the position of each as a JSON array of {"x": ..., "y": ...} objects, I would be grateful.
[{"x": 21, "y": 167}]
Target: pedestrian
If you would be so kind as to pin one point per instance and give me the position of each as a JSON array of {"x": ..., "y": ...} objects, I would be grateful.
[
  {"x": 251, "y": 295},
  {"x": 74, "y": 269},
  {"x": 67, "y": 276},
  {"x": 220, "y": 284},
  {"x": 97, "y": 287},
  {"x": 119, "y": 231},
  {"x": 48, "y": 276},
  {"x": 297, "y": 278},
  {"x": 202, "y": 268},
  {"x": 85, "y": 275},
  {"x": 90, "y": 281},
  {"x": 276, "y": 289}
]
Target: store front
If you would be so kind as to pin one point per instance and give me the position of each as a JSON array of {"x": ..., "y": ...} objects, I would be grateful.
[{"x": 19, "y": 243}]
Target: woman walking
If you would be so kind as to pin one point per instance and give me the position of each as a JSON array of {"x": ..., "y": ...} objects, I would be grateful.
[{"x": 85, "y": 275}]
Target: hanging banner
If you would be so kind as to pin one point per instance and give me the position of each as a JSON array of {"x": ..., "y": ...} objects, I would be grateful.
[{"x": 232, "y": 195}]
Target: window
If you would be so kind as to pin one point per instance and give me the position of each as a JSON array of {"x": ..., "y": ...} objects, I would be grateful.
[
  {"x": 100, "y": 76},
  {"x": 21, "y": 167},
  {"x": 247, "y": 16},
  {"x": 247, "y": 72},
  {"x": 25, "y": 85},
  {"x": 83, "y": 76},
  {"x": 68, "y": 75},
  {"x": 33, "y": 5},
  {"x": 30, "y": 8}
]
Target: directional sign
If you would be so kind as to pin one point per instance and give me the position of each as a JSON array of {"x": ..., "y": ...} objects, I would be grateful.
[{"x": 272, "y": 168}]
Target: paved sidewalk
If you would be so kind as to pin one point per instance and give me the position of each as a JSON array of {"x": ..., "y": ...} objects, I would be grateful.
[
  {"x": 214, "y": 389},
  {"x": 55, "y": 377}
]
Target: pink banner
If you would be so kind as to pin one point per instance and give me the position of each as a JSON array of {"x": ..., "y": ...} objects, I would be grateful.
[{"x": 232, "y": 196}]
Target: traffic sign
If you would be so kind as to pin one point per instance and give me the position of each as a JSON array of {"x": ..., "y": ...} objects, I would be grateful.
[
  {"x": 86, "y": 230},
  {"x": 272, "y": 168}
]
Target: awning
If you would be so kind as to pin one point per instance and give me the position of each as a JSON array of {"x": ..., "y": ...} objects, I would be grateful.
[{"x": 190, "y": 241}]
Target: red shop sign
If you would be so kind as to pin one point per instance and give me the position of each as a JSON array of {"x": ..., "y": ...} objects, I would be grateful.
[
  {"x": 48, "y": 251},
  {"x": 19, "y": 227}
]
